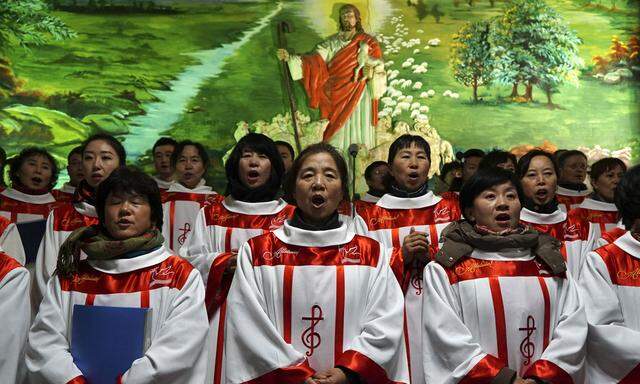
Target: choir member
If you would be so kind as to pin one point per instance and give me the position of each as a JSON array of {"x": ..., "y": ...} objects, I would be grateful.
[
  {"x": 470, "y": 162},
  {"x": 126, "y": 265},
  {"x": 313, "y": 302},
  {"x": 75, "y": 172},
  {"x": 449, "y": 180},
  {"x": 254, "y": 175},
  {"x": 501, "y": 159},
  {"x": 375, "y": 175},
  {"x": 499, "y": 306},
  {"x": 15, "y": 312},
  {"x": 571, "y": 187},
  {"x": 187, "y": 194},
  {"x": 162, "y": 150},
  {"x": 286, "y": 153},
  {"x": 409, "y": 218},
  {"x": 610, "y": 283},
  {"x": 101, "y": 155},
  {"x": 33, "y": 173}
]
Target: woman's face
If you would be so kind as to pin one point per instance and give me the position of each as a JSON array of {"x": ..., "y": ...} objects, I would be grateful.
[
  {"x": 190, "y": 167},
  {"x": 287, "y": 160},
  {"x": 254, "y": 168},
  {"x": 410, "y": 168},
  {"x": 605, "y": 185},
  {"x": 318, "y": 189},
  {"x": 99, "y": 159},
  {"x": 496, "y": 208},
  {"x": 35, "y": 172},
  {"x": 378, "y": 177},
  {"x": 540, "y": 181},
  {"x": 574, "y": 170},
  {"x": 127, "y": 216}
]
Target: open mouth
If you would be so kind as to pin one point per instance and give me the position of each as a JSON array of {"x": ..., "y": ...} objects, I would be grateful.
[
  {"x": 253, "y": 174},
  {"x": 318, "y": 201},
  {"x": 503, "y": 218},
  {"x": 413, "y": 176},
  {"x": 542, "y": 194},
  {"x": 36, "y": 180},
  {"x": 123, "y": 223}
]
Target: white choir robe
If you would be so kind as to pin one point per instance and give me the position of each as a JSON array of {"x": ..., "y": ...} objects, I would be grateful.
[
  {"x": 307, "y": 301},
  {"x": 64, "y": 194},
  {"x": 365, "y": 201},
  {"x": 389, "y": 221},
  {"x": 15, "y": 312},
  {"x": 587, "y": 223},
  {"x": 176, "y": 327},
  {"x": 10, "y": 240},
  {"x": 219, "y": 231},
  {"x": 163, "y": 185},
  {"x": 610, "y": 284},
  {"x": 569, "y": 199},
  {"x": 179, "y": 209},
  {"x": 495, "y": 310},
  {"x": 20, "y": 207},
  {"x": 63, "y": 220}
]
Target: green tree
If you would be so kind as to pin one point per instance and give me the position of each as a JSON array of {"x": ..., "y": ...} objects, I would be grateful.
[
  {"x": 471, "y": 56},
  {"x": 28, "y": 22},
  {"x": 532, "y": 45}
]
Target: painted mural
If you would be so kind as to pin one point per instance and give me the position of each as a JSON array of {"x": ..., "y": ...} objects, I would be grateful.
[{"x": 474, "y": 73}]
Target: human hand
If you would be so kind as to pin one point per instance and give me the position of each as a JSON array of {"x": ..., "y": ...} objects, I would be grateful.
[
  {"x": 415, "y": 246},
  {"x": 310, "y": 381},
  {"x": 282, "y": 54},
  {"x": 331, "y": 376}
]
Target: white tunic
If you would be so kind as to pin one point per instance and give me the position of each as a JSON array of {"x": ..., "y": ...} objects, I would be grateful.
[
  {"x": 610, "y": 284},
  {"x": 20, "y": 207},
  {"x": 10, "y": 240},
  {"x": 163, "y": 184},
  {"x": 569, "y": 199},
  {"x": 176, "y": 328},
  {"x": 304, "y": 301},
  {"x": 15, "y": 312},
  {"x": 219, "y": 231},
  {"x": 496, "y": 310}
]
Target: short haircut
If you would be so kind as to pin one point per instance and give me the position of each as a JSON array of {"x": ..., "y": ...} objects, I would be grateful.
[
  {"x": 288, "y": 146},
  {"x": 405, "y": 141},
  {"x": 484, "y": 179},
  {"x": 566, "y": 154},
  {"x": 115, "y": 144},
  {"x": 75, "y": 151},
  {"x": 164, "y": 141},
  {"x": 368, "y": 172},
  {"x": 627, "y": 197},
  {"x": 605, "y": 165},
  {"x": 473, "y": 152},
  {"x": 130, "y": 181},
  {"x": 202, "y": 152},
  {"x": 523, "y": 164},
  {"x": 497, "y": 156},
  {"x": 16, "y": 163},
  {"x": 290, "y": 182},
  {"x": 450, "y": 166}
]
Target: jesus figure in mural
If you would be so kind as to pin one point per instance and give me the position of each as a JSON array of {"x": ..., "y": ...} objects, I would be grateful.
[{"x": 348, "y": 100}]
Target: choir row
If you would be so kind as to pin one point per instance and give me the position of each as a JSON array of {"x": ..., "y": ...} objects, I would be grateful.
[{"x": 515, "y": 272}]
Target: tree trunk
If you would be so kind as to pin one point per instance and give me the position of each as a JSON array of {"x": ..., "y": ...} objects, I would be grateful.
[
  {"x": 549, "y": 102},
  {"x": 514, "y": 90},
  {"x": 528, "y": 95},
  {"x": 475, "y": 89}
]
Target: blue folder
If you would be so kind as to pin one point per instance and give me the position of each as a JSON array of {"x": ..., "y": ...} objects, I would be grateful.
[
  {"x": 31, "y": 234},
  {"x": 106, "y": 340}
]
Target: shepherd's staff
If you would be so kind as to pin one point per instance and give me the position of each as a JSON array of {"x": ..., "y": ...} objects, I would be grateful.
[{"x": 283, "y": 27}]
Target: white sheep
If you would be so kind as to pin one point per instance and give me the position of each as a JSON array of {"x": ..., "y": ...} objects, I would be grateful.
[
  {"x": 415, "y": 105},
  {"x": 431, "y": 93},
  {"x": 364, "y": 59},
  {"x": 454, "y": 95},
  {"x": 424, "y": 95},
  {"x": 424, "y": 109},
  {"x": 415, "y": 114},
  {"x": 434, "y": 42},
  {"x": 417, "y": 85},
  {"x": 446, "y": 93},
  {"x": 417, "y": 50}
]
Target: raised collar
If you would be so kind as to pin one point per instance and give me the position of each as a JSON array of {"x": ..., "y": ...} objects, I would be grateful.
[
  {"x": 596, "y": 205},
  {"x": 163, "y": 184},
  {"x": 260, "y": 208},
  {"x": 68, "y": 188},
  {"x": 388, "y": 201},
  {"x": 629, "y": 244},
  {"x": 85, "y": 209},
  {"x": 504, "y": 255},
  {"x": 370, "y": 198},
  {"x": 200, "y": 188},
  {"x": 24, "y": 197},
  {"x": 296, "y": 236},
  {"x": 555, "y": 217},
  {"x": 570, "y": 192},
  {"x": 116, "y": 266}
]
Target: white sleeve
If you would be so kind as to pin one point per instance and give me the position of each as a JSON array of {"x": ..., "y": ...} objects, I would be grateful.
[
  {"x": 360, "y": 226},
  {"x": 295, "y": 67},
  {"x": 451, "y": 354},
  {"x": 15, "y": 312},
  {"x": 48, "y": 356},
  {"x": 381, "y": 339},
  {"x": 11, "y": 243},
  {"x": 177, "y": 352},
  {"x": 46, "y": 260},
  {"x": 612, "y": 347},
  {"x": 253, "y": 345},
  {"x": 198, "y": 248}
]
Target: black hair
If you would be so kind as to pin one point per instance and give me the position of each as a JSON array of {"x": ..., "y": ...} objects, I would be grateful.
[
  {"x": 497, "y": 156},
  {"x": 75, "y": 151},
  {"x": 368, "y": 172},
  {"x": 605, "y": 165},
  {"x": 164, "y": 141},
  {"x": 112, "y": 141},
  {"x": 627, "y": 197},
  {"x": 202, "y": 152},
  {"x": 3, "y": 156},
  {"x": 130, "y": 181},
  {"x": 484, "y": 179},
  {"x": 566, "y": 154},
  {"x": 263, "y": 145},
  {"x": 16, "y": 162},
  {"x": 473, "y": 152},
  {"x": 405, "y": 141},
  {"x": 322, "y": 147},
  {"x": 450, "y": 166},
  {"x": 288, "y": 146},
  {"x": 523, "y": 164}
]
